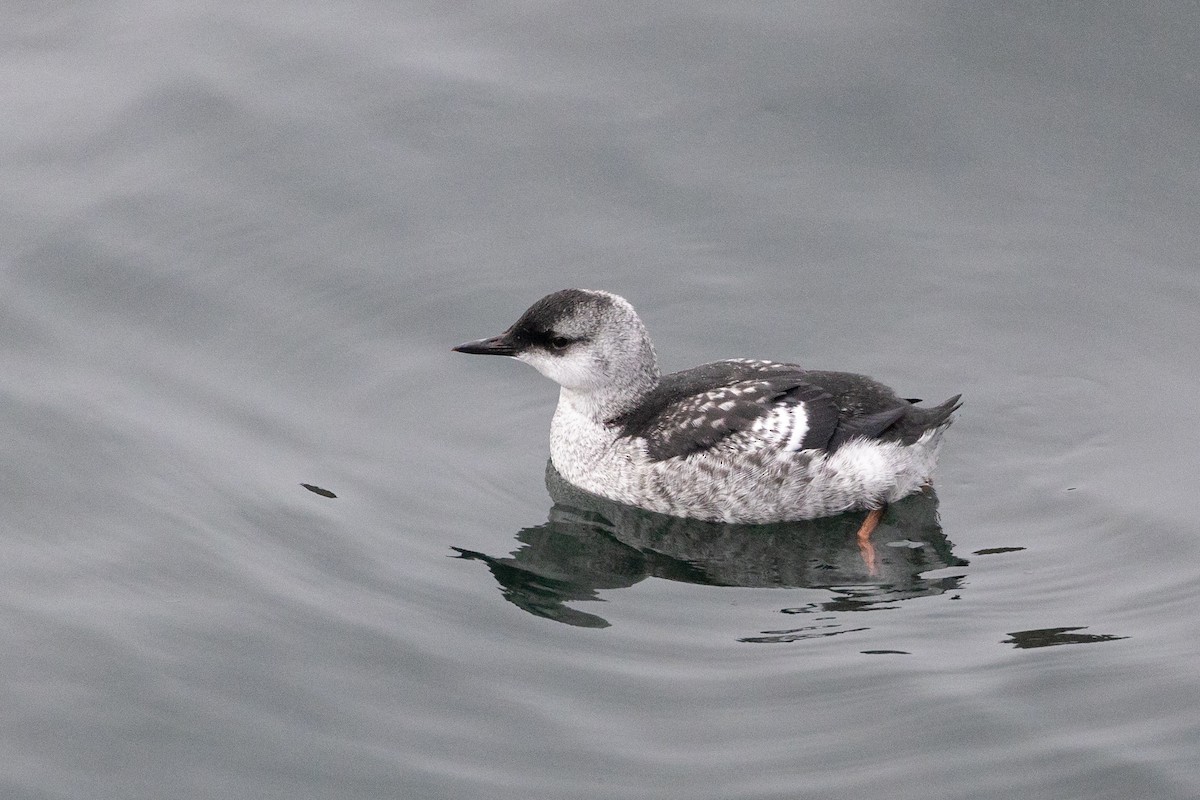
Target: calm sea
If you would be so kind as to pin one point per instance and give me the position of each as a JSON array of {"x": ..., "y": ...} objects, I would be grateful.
[{"x": 237, "y": 241}]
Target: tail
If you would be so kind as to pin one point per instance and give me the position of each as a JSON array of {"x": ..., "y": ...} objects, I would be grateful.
[
  {"x": 918, "y": 421},
  {"x": 940, "y": 415}
]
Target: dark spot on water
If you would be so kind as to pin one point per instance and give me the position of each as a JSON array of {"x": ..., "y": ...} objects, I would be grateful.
[
  {"x": 808, "y": 609},
  {"x": 1050, "y": 637},
  {"x": 798, "y": 634},
  {"x": 318, "y": 490},
  {"x": 989, "y": 551}
]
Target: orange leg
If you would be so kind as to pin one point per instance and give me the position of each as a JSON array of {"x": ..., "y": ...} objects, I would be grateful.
[{"x": 864, "y": 540}]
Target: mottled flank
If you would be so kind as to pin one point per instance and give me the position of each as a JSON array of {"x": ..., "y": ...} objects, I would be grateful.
[{"x": 735, "y": 441}]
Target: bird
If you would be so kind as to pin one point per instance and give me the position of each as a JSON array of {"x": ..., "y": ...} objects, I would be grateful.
[{"x": 742, "y": 441}]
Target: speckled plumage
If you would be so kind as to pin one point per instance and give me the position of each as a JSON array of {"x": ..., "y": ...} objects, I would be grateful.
[{"x": 735, "y": 441}]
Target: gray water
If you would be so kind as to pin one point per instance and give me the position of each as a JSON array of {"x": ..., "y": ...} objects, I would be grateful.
[{"x": 238, "y": 242}]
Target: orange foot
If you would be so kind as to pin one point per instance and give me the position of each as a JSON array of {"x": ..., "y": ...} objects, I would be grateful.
[{"x": 864, "y": 540}]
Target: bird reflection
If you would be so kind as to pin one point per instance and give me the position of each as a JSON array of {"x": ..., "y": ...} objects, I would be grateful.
[{"x": 590, "y": 544}]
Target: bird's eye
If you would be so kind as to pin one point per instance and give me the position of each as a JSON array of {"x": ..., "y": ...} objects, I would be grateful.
[{"x": 560, "y": 343}]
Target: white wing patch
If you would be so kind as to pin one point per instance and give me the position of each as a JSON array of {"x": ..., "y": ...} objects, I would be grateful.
[
  {"x": 799, "y": 422},
  {"x": 783, "y": 427}
]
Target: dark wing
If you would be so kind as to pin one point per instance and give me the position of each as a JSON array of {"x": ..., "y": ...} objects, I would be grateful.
[
  {"x": 699, "y": 409},
  {"x": 780, "y": 406},
  {"x": 871, "y": 410},
  {"x": 867, "y": 426},
  {"x": 773, "y": 408}
]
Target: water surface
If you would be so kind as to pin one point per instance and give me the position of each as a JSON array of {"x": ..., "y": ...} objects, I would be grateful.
[{"x": 238, "y": 242}]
